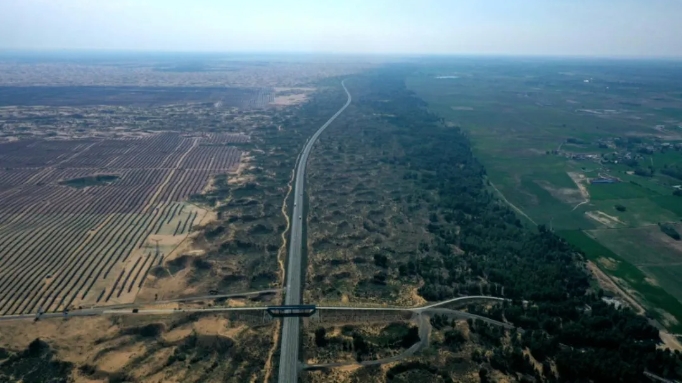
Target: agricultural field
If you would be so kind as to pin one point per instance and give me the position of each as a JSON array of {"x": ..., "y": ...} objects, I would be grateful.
[
  {"x": 84, "y": 220},
  {"x": 577, "y": 146}
]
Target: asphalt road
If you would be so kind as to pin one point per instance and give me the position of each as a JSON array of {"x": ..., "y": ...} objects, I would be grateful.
[
  {"x": 288, "y": 362},
  {"x": 128, "y": 309},
  {"x": 418, "y": 308}
]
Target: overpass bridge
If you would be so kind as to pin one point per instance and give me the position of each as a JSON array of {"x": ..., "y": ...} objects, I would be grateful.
[
  {"x": 311, "y": 311},
  {"x": 311, "y": 315}
]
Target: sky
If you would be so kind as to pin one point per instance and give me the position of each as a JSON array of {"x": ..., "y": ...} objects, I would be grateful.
[{"x": 632, "y": 28}]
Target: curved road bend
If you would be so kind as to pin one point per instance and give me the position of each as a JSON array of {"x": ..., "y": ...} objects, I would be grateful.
[{"x": 288, "y": 362}]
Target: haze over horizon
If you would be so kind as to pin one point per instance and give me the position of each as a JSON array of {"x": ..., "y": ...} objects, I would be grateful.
[{"x": 526, "y": 27}]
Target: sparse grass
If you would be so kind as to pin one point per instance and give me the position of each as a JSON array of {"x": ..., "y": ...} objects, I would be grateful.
[
  {"x": 362, "y": 204},
  {"x": 353, "y": 342}
]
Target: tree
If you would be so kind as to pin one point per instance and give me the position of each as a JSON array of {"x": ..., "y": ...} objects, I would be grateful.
[
  {"x": 483, "y": 375},
  {"x": 321, "y": 337},
  {"x": 411, "y": 337},
  {"x": 670, "y": 231},
  {"x": 454, "y": 339},
  {"x": 381, "y": 260}
]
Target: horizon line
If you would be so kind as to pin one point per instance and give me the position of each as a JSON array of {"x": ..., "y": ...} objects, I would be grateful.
[{"x": 38, "y": 51}]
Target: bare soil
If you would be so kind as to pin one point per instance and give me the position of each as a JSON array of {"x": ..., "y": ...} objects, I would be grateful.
[
  {"x": 606, "y": 283},
  {"x": 580, "y": 180},
  {"x": 604, "y": 219}
]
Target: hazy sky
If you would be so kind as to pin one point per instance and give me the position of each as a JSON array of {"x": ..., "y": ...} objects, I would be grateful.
[{"x": 527, "y": 27}]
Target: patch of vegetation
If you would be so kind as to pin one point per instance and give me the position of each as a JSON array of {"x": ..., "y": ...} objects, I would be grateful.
[
  {"x": 669, "y": 230},
  {"x": 674, "y": 171},
  {"x": 362, "y": 342},
  {"x": 151, "y": 330},
  {"x": 415, "y": 371},
  {"x": 35, "y": 364}
]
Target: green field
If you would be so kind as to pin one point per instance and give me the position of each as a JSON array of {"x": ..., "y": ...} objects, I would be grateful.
[
  {"x": 642, "y": 246},
  {"x": 668, "y": 277},
  {"x": 639, "y": 211},
  {"x": 533, "y": 124},
  {"x": 652, "y": 296},
  {"x": 670, "y": 203},
  {"x": 620, "y": 190}
]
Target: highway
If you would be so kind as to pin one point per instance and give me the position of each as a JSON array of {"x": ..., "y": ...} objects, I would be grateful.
[{"x": 289, "y": 346}]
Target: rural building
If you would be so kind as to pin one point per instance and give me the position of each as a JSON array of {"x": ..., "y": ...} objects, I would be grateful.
[{"x": 602, "y": 181}]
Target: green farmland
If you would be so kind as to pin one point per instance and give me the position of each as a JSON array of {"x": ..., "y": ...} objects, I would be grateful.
[{"x": 545, "y": 129}]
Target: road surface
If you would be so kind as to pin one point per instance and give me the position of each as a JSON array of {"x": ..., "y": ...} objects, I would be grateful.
[
  {"x": 123, "y": 309},
  {"x": 128, "y": 310},
  {"x": 288, "y": 362}
]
